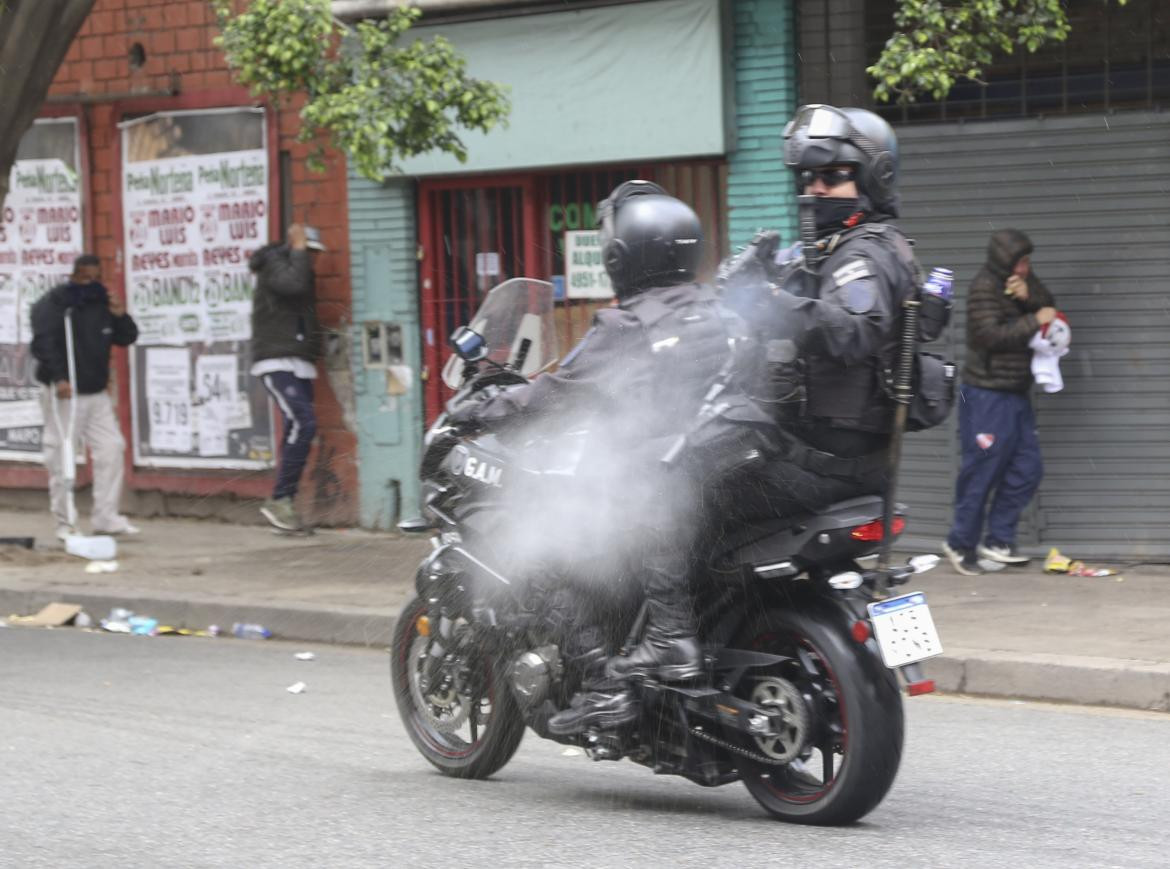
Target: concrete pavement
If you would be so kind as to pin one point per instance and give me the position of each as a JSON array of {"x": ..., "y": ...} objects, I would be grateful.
[{"x": 1018, "y": 633}]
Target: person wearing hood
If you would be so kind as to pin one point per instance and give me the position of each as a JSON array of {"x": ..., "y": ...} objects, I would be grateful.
[
  {"x": 286, "y": 342},
  {"x": 99, "y": 321},
  {"x": 1006, "y": 306}
]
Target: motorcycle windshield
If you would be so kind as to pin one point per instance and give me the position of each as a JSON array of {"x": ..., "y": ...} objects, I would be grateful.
[{"x": 516, "y": 322}]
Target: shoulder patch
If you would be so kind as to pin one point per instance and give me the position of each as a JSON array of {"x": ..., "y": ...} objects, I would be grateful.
[
  {"x": 860, "y": 296},
  {"x": 854, "y": 270}
]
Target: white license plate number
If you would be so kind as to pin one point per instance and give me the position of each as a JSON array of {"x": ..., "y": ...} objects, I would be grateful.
[{"x": 904, "y": 629}]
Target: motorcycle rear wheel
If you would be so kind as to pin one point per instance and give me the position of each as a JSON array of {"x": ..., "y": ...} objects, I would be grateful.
[
  {"x": 470, "y": 731},
  {"x": 856, "y": 730}
]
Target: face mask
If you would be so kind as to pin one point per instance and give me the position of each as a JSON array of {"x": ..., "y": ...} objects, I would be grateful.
[{"x": 832, "y": 213}]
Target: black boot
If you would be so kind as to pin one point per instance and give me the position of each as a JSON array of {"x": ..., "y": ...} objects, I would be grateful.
[
  {"x": 669, "y": 651},
  {"x": 604, "y": 710},
  {"x": 602, "y": 702}
]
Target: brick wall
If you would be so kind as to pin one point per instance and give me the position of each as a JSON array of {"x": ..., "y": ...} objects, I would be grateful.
[
  {"x": 759, "y": 188},
  {"x": 97, "y": 77}
]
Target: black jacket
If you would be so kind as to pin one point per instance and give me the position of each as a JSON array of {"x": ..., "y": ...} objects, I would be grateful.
[
  {"x": 844, "y": 321},
  {"x": 95, "y": 330},
  {"x": 644, "y": 365},
  {"x": 1000, "y": 326},
  {"x": 284, "y": 307}
]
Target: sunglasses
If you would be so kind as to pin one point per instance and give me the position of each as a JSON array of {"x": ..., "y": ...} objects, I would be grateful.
[{"x": 829, "y": 177}]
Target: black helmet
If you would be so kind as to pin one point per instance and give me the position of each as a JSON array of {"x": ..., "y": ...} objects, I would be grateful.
[
  {"x": 648, "y": 238},
  {"x": 823, "y": 135}
]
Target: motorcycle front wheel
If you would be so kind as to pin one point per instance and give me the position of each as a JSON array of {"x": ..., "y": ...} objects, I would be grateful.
[
  {"x": 468, "y": 726},
  {"x": 846, "y": 708}
]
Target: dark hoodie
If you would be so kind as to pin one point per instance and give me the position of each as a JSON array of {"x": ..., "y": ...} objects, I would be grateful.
[
  {"x": 95, "y": 330},
  {"x": 1000, "y": 326},
  {"x": 284, "y": 307}
]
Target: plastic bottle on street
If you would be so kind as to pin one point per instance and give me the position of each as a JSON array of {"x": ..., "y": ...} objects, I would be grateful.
[{"x": 248, "y": 631}]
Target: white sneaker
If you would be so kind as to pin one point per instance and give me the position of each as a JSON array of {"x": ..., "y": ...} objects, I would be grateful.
[
  {"x": 1002, "y": 554},
  {"x": 64, "y": 531},
  {"x": 125, "y": 529}
]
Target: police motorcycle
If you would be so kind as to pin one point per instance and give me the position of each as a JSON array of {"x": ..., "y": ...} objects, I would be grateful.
[{"x": 803, "y": 644}]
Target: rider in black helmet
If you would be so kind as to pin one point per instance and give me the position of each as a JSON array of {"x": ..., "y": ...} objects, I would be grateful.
[
  {"x": 642, "y": 370},
  {"x": 828, "y": 309}
]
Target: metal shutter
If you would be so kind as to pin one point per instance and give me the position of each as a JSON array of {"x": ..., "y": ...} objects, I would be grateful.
[{"x": 1093, "y": 192}]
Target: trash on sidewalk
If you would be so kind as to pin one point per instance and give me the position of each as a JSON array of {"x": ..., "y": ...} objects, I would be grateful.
[
  {"x": 305, "y": 656},
  {"x": 82, "y": 620},
  {"x": 1058, "y": 563},
  {"x": 99, "y": 547},
  {"x": 143, "y": 625},
  {"x": 102, "y": 567},
  {"x": 52, "y": 615},
  {"x": 247, "y": 631},
  {"x": 297, "y": 688},
  {"x": 118, "y": 621},
  {"x": 1055, "y": 562},
  {"x": 171, "y": 631}
]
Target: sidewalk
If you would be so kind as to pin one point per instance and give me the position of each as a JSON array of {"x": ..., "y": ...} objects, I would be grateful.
[{"x": 1018, "y": 633}]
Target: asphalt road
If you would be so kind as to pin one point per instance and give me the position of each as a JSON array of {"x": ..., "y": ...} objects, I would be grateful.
[{"x": 124, "y": 751}]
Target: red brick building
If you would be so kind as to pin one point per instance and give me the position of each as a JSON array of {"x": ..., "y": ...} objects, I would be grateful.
[{"x": 136, "y": 58}]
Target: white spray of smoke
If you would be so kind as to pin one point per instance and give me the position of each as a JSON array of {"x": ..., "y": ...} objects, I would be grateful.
[{"x": 586, "y": 490}]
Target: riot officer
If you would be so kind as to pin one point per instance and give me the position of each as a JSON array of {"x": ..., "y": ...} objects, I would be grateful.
[
  {"x": 641, "y": 373},
  {"x": 828, "y": 309}
]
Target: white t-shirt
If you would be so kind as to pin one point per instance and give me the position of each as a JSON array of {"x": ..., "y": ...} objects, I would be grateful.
[{"x": 296, "y": 366}]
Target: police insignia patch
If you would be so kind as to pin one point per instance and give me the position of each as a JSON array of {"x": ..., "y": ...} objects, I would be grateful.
[{"x": 860, "y": 296}]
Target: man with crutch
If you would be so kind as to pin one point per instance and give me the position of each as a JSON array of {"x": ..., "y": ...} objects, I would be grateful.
[{"x": 74, "y": 325}]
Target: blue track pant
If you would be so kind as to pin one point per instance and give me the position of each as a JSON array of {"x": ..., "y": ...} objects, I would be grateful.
[
  {"x": 1001, "y": 461},
  {"x": 294, "y": 397}
]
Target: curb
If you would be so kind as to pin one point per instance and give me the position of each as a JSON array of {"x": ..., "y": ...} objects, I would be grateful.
[
  {"x": 310, "y": 623},
  {"x": 1133, "y": 684}
]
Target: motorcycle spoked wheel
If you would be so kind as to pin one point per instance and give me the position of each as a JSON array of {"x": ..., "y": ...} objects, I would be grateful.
[
  {"x": 469, "y": 731},
  {"x": 855, "y": 727}
]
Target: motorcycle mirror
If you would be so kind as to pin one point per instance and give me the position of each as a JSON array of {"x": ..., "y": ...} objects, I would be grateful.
[
  {"x": 923, "y": 563},
  {"x": 468, "y": 344}
]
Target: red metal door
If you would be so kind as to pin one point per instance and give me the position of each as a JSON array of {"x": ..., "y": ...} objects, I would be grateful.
[{"x": 475, "y": 233}]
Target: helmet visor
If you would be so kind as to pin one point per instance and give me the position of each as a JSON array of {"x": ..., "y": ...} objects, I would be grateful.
[{"x": 819, "y": 122}]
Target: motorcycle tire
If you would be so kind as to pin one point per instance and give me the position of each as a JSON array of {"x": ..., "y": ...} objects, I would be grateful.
[
  {"x": 856, "y": 720},
  {"x": 491, "y": 744}
]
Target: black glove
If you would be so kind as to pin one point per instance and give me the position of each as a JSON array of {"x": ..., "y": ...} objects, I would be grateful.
[{"x": 751, "y": 266}]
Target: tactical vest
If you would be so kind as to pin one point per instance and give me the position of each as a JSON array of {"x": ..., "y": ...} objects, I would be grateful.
[{"x": 855, "y": 397}]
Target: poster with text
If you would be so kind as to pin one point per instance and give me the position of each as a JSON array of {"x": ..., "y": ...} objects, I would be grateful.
[
  {"x": 41, "y": 233},
  {"x": 194, "y": 210},
  {"x": 585, "y": 274}
]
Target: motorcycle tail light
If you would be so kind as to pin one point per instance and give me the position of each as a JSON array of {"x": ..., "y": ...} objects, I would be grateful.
[
  {"x": 860, "y": 631},
  {"x": 872, "y": 531},
  {"x": 926, "y": 686}
]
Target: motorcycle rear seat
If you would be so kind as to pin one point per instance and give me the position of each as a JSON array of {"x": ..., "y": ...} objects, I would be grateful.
[{"x": 756, "y": 529}]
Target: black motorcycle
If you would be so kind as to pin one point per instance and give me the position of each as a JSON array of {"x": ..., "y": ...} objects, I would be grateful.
[{"x": 800, "y": 699}]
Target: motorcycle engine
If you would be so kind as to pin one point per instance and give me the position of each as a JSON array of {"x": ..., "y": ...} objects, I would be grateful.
[{"x": 533, "y": 674}]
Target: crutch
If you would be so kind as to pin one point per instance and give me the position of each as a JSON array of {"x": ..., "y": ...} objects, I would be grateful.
[{"x": 99, "y": 546}]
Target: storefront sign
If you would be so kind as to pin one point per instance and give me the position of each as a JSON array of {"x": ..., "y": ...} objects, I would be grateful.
[{"x": 585, "y": 275}]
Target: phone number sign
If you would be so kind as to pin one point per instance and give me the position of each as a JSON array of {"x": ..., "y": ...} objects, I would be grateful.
[{"x": 585, "y": 276}]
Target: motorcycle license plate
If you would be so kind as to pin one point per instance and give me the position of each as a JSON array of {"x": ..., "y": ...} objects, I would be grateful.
[{"x": 904, "y": 630}]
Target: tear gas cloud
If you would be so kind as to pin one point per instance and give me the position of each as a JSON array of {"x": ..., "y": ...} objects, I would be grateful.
[{"x": 587, "y": 492}]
